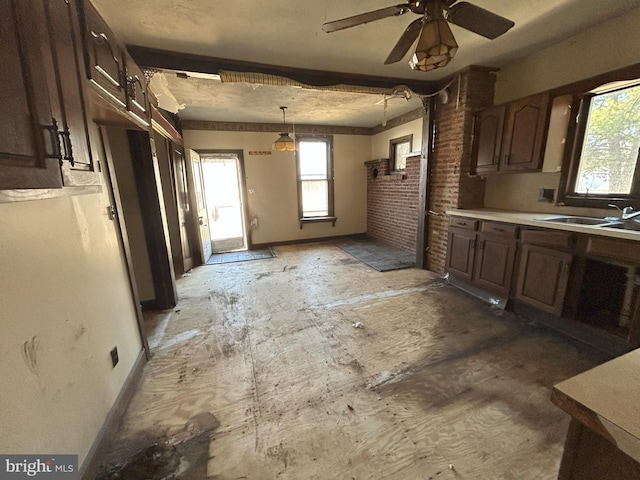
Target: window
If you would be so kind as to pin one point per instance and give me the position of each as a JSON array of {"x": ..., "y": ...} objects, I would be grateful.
[
  {"x": 604, "y": 163},
  {"x": 398, "y": 150},
  {"x": 315, "y": 177}
]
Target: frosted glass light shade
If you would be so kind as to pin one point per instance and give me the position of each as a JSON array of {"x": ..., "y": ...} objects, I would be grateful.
[{"x": 436, "y": 46}]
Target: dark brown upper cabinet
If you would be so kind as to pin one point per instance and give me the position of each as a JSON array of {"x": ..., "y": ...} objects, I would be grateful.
[
  {"x": 104, "y": 57},
  {"x": 137, "y": 99},
  {"x": 511, "y": 138},
  {"x": 67, "y": 92},
  {"x": 113, "y": 74},
  {"x": 487, "y": 135},
  {"x": 525, "y": 133},
  {"x": 43, "y": 131}
]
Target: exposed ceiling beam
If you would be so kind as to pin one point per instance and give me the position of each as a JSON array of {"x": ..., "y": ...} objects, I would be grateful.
[{"x": 164, "y": 59}]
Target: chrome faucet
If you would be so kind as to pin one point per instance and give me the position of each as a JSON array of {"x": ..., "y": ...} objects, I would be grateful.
[{"x": 626, "y": 213}]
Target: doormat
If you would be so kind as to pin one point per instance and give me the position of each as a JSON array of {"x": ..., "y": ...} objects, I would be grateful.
[
  {"x": 243, "y": 256},
  {"x": 377, "y": 254}
]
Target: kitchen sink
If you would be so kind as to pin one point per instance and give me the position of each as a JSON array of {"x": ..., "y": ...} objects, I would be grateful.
[
  {"x": 628, "y": 225},
  {"x": 577, "y": 220}
]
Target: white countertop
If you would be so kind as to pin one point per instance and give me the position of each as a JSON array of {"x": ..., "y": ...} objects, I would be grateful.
[
  {"x": 607, "y": 400},
  {"x": 537, "y": 220}
]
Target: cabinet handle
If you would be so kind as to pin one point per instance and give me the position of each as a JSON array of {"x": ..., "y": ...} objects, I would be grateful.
[
  {"x": 53, "y": 140},
  {"x": 131, "y": 89},
  {"x": 462, "y": 223},
  {"x": 481, "y": 244},
  {"x": 65, "y": 135}
]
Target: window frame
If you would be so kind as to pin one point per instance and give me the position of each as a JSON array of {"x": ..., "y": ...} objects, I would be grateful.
[
  {"x": 330, "y": 217},
  {"x": 393, "y": 157},
  {"x": 571, "y": 164}
]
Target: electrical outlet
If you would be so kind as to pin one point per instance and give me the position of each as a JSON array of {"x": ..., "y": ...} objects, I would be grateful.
[
  {"x": 546, "y": 195},
  {"x": 114, "y": 356}
]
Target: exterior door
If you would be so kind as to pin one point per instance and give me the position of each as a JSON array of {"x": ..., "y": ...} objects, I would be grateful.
[
  {"x": 223, "y": 189},
  {"x": 200, "y": 213},
  {"x": 184, "y": 207}
]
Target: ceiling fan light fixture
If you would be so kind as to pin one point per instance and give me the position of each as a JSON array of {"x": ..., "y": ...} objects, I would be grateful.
[
  {"x": 284, "y": 143},
  {"x": 436, "y": 46}
]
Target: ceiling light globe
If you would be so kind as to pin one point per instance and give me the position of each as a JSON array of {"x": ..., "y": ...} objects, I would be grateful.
[{"x": 436, "y": 46}]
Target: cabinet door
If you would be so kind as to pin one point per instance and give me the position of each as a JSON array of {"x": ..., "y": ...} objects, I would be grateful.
[
  {"x": 494, "y": 263},
  {"x": 66, "y": 84},
  {"x": 542, "y": 277},
  {"x": 29, "y": 147},
  {"x": 487, "y": 139},
  {"x": 104, "y": 57},
  {"x": 137, "y": 101},
  {"x": 525, "y": 133},
  {"x": 460, "y": 253}
]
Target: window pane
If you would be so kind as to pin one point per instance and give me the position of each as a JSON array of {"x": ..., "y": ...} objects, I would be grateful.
[
  {"x": 611, "y": 143},
  {"x": 400, "y": 150},
  {"x": 315, "y": 198},
  {"x": 313, "y": 160}
]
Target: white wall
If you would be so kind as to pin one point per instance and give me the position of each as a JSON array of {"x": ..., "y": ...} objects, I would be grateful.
[
  {"x": 272, "y": 187},
  {"x": 380, "y": 141},
  {"x": 64, "y": 303},
  {"x": 607, "y": 47}
]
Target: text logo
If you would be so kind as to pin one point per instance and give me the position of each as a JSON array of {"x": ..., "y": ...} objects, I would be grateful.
[{"x": 49, "y": 467}]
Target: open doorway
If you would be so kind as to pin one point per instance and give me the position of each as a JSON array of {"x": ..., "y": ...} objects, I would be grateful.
[{"x": 224, "y": 191}]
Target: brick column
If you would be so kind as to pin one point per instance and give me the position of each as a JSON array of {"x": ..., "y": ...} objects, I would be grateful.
[{"x": 451, "y": 185}]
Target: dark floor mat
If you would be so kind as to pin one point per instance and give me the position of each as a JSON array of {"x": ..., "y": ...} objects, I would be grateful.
[
  {"x": 376, "y": 254},
  {"x": 243, "y": 256}
]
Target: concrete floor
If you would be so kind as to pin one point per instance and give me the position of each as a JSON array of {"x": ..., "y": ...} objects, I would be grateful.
[{"x": 260, "y": 361}]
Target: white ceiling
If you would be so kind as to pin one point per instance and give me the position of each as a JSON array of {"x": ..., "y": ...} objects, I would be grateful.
[{"x": 288, "y": 33}]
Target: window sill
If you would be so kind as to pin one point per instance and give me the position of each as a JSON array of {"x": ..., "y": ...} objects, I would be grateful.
[
  {"x": 317, "y": 220},
  {"x": 572, "y": 200},
  {"x": 393, "y": 177}
]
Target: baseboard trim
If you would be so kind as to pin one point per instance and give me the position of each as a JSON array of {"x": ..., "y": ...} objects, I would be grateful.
[
  {"x": 91, "y": 465},
  {"x": 257, "y": 246}
]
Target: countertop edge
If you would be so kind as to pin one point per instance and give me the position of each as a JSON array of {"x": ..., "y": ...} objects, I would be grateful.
[{"x": 533, "y": 219}]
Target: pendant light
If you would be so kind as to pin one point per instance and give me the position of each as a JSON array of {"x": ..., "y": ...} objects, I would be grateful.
[{"x": 284, "y": 143}]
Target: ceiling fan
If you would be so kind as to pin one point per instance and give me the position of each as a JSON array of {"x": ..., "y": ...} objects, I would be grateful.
[{"x": 436, "y": 44}]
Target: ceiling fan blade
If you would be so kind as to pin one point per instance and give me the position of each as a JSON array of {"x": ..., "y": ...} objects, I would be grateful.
[
  {"x": 365, "y": 18},
  {"x": 478, "y": 20},
  {"x": 406, "y": 40}
]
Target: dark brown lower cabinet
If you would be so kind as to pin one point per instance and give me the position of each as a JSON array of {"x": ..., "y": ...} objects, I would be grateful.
[
  {"x": 494, "y": 263},
  {"x": 484, "y": 258},
  {"x": 461, "y": 252},
  {"x": 542, "y": 277}
]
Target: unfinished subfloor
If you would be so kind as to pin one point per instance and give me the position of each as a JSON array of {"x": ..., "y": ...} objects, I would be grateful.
[{"x": 262, "y": 361}]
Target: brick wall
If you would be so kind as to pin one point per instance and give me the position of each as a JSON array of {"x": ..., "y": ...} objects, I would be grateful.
[
  {"x": 392, "y": 203},
  {"x": 451, "y": 186}
]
